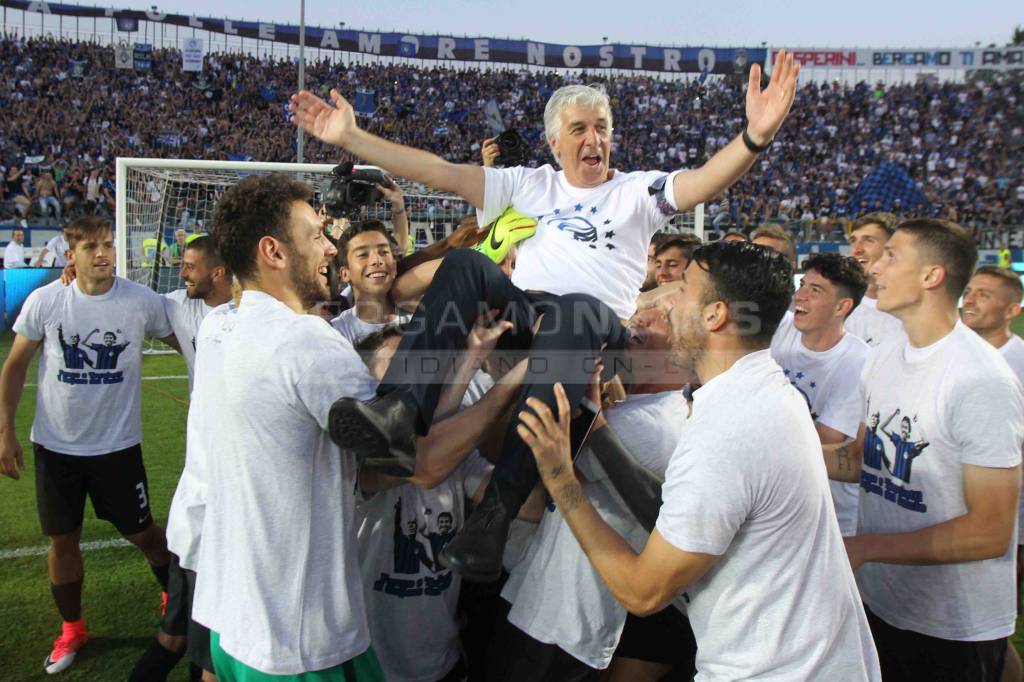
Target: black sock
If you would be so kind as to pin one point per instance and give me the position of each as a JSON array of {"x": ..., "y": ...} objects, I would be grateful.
[
  {"x": 155, "y": 664},
  {"x": 68, "y": 598},
  {"x": 161, "y": 573}
]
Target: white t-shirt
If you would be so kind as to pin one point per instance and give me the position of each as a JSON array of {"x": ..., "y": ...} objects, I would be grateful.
[
  {"x": 872, "y": 325},
  {"x": 410, "y": 596},
  {"x": 185, "y": 315},
  {"x": 355, "y": 330},
  {"x": 556, "y": 594},
  {"x": 277, "y": 573},
  {"x": 14, "y": 255},
  {"x": 830, "y": 383},
  {"x": 938, "y": 408},
  {"x": 57, "y": 246},
  {"x": 1013, "y": 352},
  {"x": 185, "y": 519},
  {"x": 587, "y": 240},
  {"x": 90, "y": 368},
  {"x": 748, "y": 483}
]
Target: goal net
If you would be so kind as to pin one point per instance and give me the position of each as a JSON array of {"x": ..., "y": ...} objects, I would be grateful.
[{"x": 161, "y": 202}]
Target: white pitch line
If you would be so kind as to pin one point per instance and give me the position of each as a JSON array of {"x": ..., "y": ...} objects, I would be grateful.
[
  {"x": 43, "y": 549},
  {"x": 169, "y": 377}
]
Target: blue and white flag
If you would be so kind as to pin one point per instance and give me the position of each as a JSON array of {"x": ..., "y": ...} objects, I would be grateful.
[{"x": 366, "y": 102}]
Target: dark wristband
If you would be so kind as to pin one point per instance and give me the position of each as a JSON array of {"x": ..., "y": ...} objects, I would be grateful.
[{"x": 755, "y": 149}]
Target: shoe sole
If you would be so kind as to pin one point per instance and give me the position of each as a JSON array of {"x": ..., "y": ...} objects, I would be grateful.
[
  {"x": 354, "y": 428},
  {"x": 466, "y": 573}
]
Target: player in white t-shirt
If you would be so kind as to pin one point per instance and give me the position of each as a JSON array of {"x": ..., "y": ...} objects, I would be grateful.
[
  {"x": 938, "y": 460},
  {"x": 207, "y": 286},
  {"x": 824, "y": 363},
  {"x": 405, "y": 523},
  {"x": 57, "y": 247},
  {"x": 368, "y": 266},
  {"x": 746, "y": 528},
  {"x": 277, "y": 581},
  {"x": 991, "y": 301},
  {"x": 14, "y": 252},
  {"x": 594, "y": 227},
  {"x": 867, "y": 237},
  {"x": 87, "y": 429},
  {"x": 563, "y": 622}
]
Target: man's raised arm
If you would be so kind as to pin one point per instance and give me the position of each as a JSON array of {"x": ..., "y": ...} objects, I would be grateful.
[
  {"x": 766, "y": 110},
  {"x": 337, "y": 125}
]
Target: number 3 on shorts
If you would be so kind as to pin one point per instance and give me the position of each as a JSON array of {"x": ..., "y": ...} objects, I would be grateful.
[{"x": 143, "y": 498}]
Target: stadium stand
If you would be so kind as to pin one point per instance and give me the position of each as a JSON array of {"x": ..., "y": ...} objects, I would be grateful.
[{"x": 958, "y": 143}]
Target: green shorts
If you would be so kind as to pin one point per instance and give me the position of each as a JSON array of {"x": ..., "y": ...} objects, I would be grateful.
[{"x": 362, "y": 668}]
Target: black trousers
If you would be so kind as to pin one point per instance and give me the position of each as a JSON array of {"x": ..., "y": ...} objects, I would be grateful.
[
  {"x": 570, "y": 338},
  {"x": 514, "y": 656},
  {"x": 908, "y": 656}
]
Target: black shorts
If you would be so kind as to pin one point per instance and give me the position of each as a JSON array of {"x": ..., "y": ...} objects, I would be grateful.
[
  {"x": 116, "y": 484},
  {"x": 177, "y": 621},
  {"x": 908, "y": 656},
  {"x": 664, "y": 637}
]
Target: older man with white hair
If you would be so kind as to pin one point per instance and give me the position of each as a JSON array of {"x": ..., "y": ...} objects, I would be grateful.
[{"x": 593, "y": 227}]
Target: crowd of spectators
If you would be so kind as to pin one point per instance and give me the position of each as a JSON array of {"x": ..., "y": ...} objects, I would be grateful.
[{"x": 67, "y": 103}]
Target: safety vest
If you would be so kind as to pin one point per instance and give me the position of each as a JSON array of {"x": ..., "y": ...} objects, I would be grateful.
[
  {"x": 1005, "y": 258},
  {"x": 152, "y": 248}
]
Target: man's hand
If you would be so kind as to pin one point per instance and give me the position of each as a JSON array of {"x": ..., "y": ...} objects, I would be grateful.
[
  {"x": 392, "y": 193},
  {"x": 68, "y": 274},
  {"x": 767, "y": 109},
  {"x": 332, "y": 124},
  {"x": 11, "y": 457},
  {"x": 489, "y": 151},
  {"x": 485, "y": 333},
  {"x": 548, "y": 438},
  {"x": 467, "y": 234}
]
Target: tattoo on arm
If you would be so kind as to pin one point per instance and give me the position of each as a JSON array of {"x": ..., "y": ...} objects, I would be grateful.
[
  {"x": 570, "y": 496},
  {"x": 843, "y": 459},
  {"x": 556, "y": 471}
]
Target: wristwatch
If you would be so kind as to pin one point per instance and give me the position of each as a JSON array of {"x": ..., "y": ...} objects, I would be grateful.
[{"x": 754, "y": 148}]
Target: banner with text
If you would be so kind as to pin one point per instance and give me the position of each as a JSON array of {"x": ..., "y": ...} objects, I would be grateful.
[
  {"x": 704, "y": 60},
  {"x": 999, "y": 58},
  {"x": 192, "y": 53}
]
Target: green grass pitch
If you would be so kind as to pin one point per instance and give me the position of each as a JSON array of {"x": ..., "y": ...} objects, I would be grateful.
[{"x": 121, "y": 597}]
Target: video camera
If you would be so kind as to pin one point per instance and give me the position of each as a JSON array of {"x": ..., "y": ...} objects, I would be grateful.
[
  {"x": 348, "y": 190},
  {"x": 512, "y": 149}
]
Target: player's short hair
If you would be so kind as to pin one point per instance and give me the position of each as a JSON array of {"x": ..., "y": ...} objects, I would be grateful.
[
  {"x": 258, "y": 206},
  {"x": 949, "y": 245},
  {"x": 687, "y": 243},
  {"x": 660, "y": 238},
  {"x": 1007, "y": 277},
  {"x": 360, "y": 228},
  {"x": 206, "y": 245},
  {"x": 752, "y": 280},
  {"x": 844, "y": 272},
  {"x": 368, "y": 346},
  {"x": 778, "y": 233},
  {"x": 886, "y": 221},
  {"x": 593, "y": 95},
  {"x": 735, "y": 233},
  {"x": 86, "y": 227}
]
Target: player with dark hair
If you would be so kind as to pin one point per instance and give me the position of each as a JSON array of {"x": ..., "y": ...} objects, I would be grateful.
[
  {"x": 207, "y": 286},
  {"x": 367, "y": 258},
  {"x": 823, "y": 362},
  {"x": 672, "y": 256},
  {"x": 651, "y": 278},
  {"x": 87, "y": 429},
  {"x": 943, "y": 515},
  {"x": 733, "y": 508}
]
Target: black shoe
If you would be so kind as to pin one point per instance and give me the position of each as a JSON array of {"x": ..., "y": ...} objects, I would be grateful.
[
  {"x": 381, "y": 432},
  {"x": 476, "y": 552}
]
